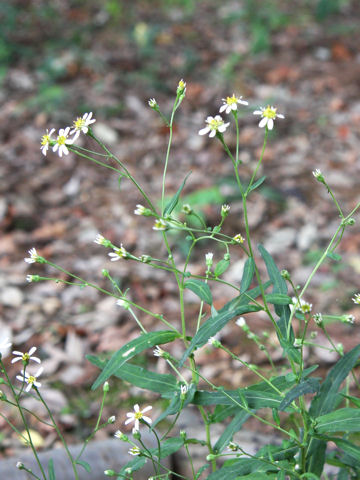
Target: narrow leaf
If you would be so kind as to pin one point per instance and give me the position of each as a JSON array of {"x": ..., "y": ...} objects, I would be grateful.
[
  {"x": 348, "y": 447},
  {"x": 176, "y": 404},
  {"x": 248, "y": 273},
  {"x": 221, "y": 267},
  {"x": 233, "y": 427},
  {"x": 164, "y": 384},
  {"x": 174, "y": 201},
  {"x": 311, "y": 385},
  {"x": 278, "y": 299},
  {"x": 344, "y": 419},
  {"x": 131, "y": 349},
  {"x": 257, "y": 183},
  {"x": 201, "y": 289},
  {"x": 84, "y": 464},
  {"x": 51, "y": 469},
  {"x": 325, "y": 400}
]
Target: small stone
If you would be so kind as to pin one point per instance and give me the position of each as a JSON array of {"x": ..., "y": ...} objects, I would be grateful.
[{"x": 11, "y": 297}]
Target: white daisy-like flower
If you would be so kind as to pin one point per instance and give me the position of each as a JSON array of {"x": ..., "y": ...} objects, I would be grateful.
[
  {"x": 268, "y": 114},
  {"x": 31, "y": 380},
  {"x": 231, "y": 104},
  {"x": 25, "y": 357},
  {"x": 5, "y": 344},
  {"x": 240, "y": 322},
  {"x": 181, "y": 88},
  {"x": 46, "y": 140},
  {"x": 183, "y": 390},
  {"x": 158, "y": 352},
  {"x": 225, "y": 210},
  {"x": 61, "y": 141},
  {"x": 152, "y": 103},
  {"x": 209, "y": 259},
  {"x": 111, "y": 419},
  {"x": 34, "y": 257},
  {"x": 81, "y": 124},
  {"x": 214, "y": 342},
  {"x": 99, "y": 239},
  {"x": 135, "y": 451},
  {"x": 160, "y": 225},
  {"x": 214, "y": 125},
  {"x": 356, "y": 298},
  {"x": 318, "y": 318},
  {"x": 348, "y": 319},
  {"x": 302, "y": 306},
  {"x": 118, "y": 434},
  {"x": 140, "y": 209},
  {"x": 118, "y": 253},
  {"x": 239, "y": 238},
  {"x": 138, "y": 415}
]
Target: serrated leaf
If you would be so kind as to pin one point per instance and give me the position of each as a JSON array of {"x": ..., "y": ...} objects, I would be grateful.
[
  {"x": 174, "y": 201},
  {"x": 248, "y": 274},
  {"x": 131, "y": 349},
  {"x": 201, "y": 289},
  {"x": 233, "y": 427},
  {"x": 278, "y": 299},
  {"x": 310, "y": 385},
  {"x": 213, "y": 325},
  {"x": 342, "y": 420},
  {"x": 257, "y": 183},
  {"x": 325, "y": 400},
  {"x": 51, "y": 469},
  {"x": 84, "y": 464},
  {"x": 164, "y": 384},
  {"x": 221, "y": 267}
]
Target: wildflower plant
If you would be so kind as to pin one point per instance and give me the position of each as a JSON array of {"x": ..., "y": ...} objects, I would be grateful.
[{"x": 308, "y": 413}]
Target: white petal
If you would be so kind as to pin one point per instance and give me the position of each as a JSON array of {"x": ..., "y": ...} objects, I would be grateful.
[
  {"x": 212, "y": 133},
  {"x": 31, "y": 351},
  {"x": 257, "y": 112},
  {"x": 55, "y": 147},
  {"x": 279, "y": 115},
  {"x": 218, "y": 118},
  {"x": 137, "y": 424},
  {"x": 15, "y": 359},
  {"x": 35, "y": 359},
  {"x": 204, "y": 131},
  {"x": 27, "y": 389},
  {"x": 15, "y": 352},
  {"x": 208, "y": 119},
  {"x": 136, "y": 408},
  {"x": 222, "y": 108},
  {"x": 147, "y": 419},
  {"x": 128, "y": 421},
  {"x": 243, "y": 102},
  {"x": 19, "y": 377},
  {"x": 39, "y": 372},
  {"x": 263, "y": 122},
  {"x": 146, "y": 409},
  {"x": 270, "y": 124}
]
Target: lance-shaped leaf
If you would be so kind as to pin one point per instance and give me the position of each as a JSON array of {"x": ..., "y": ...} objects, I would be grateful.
[
  {"x": 254, "y": 399},
  {"x": 248, "y": 274},
  {"x": 278, "y": 299},
  {"x": 257, "y": 183},
  {"x": 213, "y": 325},
  {"x": 310, "y": 385},
  {"x": 221, "y": 267},
  {"x": 348, "y": 447},
  {"x": 233, "y": 427},
  {"x": 342, "y": 420},
  {"x": 176, "y": 404},
  {"x": 131, "y": 349},
  {"x": 201, "y": 289},
  {"x": 165, "y": 384},
  {"x": 174, "y": 201}
]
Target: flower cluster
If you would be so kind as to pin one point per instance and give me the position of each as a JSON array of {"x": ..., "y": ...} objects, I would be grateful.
[
  {"x": 301, "y": 306},
  {"x": 60, "y": 143},
  {"x": 216, "y": 125},
  {"x": 25, "y": 377}
]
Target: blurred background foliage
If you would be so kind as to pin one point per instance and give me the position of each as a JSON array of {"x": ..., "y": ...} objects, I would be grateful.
[{"x": 64, "y": 39}]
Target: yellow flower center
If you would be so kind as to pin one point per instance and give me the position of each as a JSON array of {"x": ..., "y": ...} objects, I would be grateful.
[
  {"x": 231, "y": 100},
  {"x": 79, "y": 123},
  {"x": 215, "y": 124},
  {"x": 61, "y": 139},
  {"x": 25, "y": 357},
  {"x": 31, "y": 379},
  {"x": 138, "y": 415},
  {"x": 269, "y": 112},
  {"x": 45, "y": 139}
]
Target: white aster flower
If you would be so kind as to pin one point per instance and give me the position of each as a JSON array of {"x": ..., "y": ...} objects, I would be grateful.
[
  {"x": 214, "y": 342},
  {"x": 111, "y": 419},
  {"x": 158, "y": 352},
  {"x": 231, "y": 104},
  {"x": 25, "y": 357},
  {"x": 46, "y": 140},
  {"x": 99, "y": 239},
  {"x": 240, "y": 322},
  {"x": 123, "y": 303},
  {"x": 160, "y": 225},
  {"x": 63, "y": 140},
  {"x": 81, "y": 124},
  {"x": 34, "y": 257},
  {"x": 152, "y": 103},
  {"x": 214, "y": 125},
  {"x": 135, "y": 451},
  {"x": 209, "y": 259},
  {"x": 31, "y": 380},
  {"x": 302, "y": 306},
  {"x": 268, "y": 115},
  {"x": 118, "y": 434},
  {"x": 318, "y": 319},
  {"x": 183, "y": 390},
  {"x": 239, "y": 238},
  {"x": 118, "y": 253},
  {"x": 140, "y": 209},
  {"x": 138, "y": 415},
  {"x": 225, "y": 210},
  {"x": 348, "y": 319},
  {"x": 5, "y": 344},
  {"x": 356, "y": 298},
  {"x": 181, "y": 88}
]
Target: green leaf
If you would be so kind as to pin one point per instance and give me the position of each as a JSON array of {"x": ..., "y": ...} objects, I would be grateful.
[
  {"x": 311, "y": 385},
  {"x": 255, "y": 399},
  {"x": 221, "y": 267},
  {"x": 342, "y": 420},
  {"x": 274, "y": 274},
  {"x": 278, "y": 299},
  {"x": 176, "y": 404},
  {"x": 325, "y": 400},
  {"x": 354, "y": 400},
  {"x": 51, "y": 469},
  {"x": 242, "y": 466},
  {"x": 201, "y": 470},
  {"x": 233, "y": 427},
  {"x": 201, "y": 289},
  {"x": 348, "y": 447},
  {"x": 84, "y": 464},
  {"x": 290, "y": 351},
  {"x": 257, "y": 183},
  {"x": 168, "y": 447},
  {"x": 164, "y": 384},
  {"x": 334, "y": 256},
  {"x": 213, "y": 325},
  {"x": 131, "y": 349},
  {"x": 248, "y": 273},
  {"x": 174, "y": 201}
]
